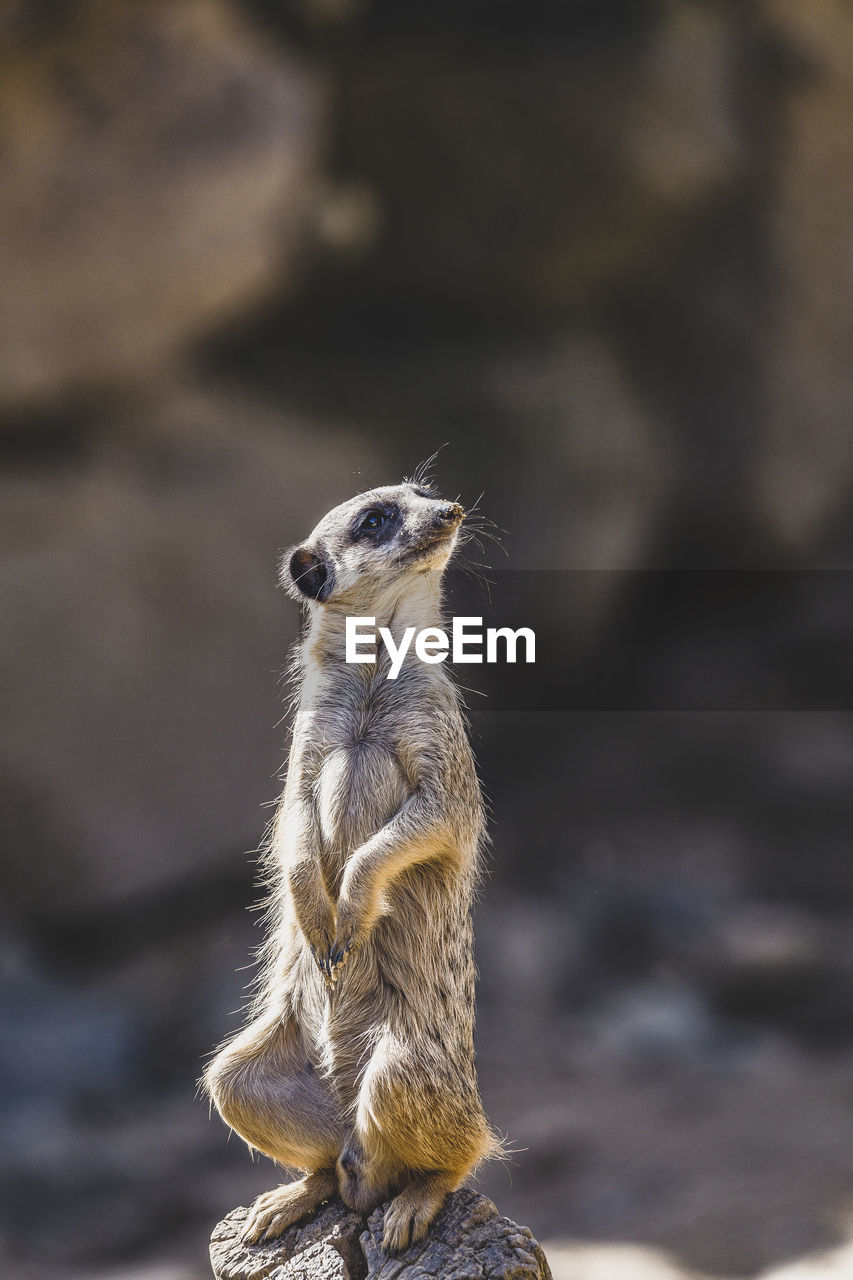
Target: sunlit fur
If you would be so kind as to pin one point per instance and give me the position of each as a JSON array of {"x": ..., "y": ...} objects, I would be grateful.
[{"x": 368, "y": 1085}]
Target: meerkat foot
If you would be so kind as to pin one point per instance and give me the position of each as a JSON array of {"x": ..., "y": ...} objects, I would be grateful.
[
  {"x": 411, "y": 1213},
  {"x": 276, "y": 1210}
]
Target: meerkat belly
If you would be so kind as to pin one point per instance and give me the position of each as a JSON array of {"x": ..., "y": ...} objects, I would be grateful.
[
  {"x": 418, "y": 996},
  {"x": 360, "y": 788}
]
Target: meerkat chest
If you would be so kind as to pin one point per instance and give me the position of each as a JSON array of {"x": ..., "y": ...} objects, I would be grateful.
[
  {"x": 356, "y": 728},
  {"x": 359, "y": 787}
]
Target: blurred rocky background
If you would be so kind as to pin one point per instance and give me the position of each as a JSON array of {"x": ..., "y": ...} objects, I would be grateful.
[{"x": 257, "y": 255}]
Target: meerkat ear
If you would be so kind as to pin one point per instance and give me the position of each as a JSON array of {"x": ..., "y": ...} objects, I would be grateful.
[{"x": 310, "y": 571}]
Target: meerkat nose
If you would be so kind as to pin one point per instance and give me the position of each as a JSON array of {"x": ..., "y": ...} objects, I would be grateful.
[{"x": 451, "y": 513}]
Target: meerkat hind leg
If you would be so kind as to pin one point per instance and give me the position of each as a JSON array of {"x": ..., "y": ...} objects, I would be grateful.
[
  {"x": 411, "y": 1213},
  {"x": 276, "y": 1210}
]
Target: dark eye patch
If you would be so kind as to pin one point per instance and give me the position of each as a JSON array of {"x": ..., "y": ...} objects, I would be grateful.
[{"x": 375, "y": 523}]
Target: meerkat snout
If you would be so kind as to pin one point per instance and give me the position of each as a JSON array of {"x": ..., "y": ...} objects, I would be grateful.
[{"x": 451, "y": 514}]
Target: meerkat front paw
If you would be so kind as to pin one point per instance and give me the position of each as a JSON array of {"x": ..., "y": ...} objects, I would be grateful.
[
  {"x": 323, "y": 960},
  {"x": 351, "y": 931},
  {"x": 338, "y": 956},
  {"x": 320, "y": 939},
  {"x": 332, "y": 960}
]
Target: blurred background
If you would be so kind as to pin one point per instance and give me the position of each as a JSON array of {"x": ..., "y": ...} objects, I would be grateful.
[{"x": 257, "y": 255}]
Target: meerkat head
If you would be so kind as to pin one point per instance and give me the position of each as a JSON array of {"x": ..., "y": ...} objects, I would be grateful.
[{"x": 373, "y": 545}]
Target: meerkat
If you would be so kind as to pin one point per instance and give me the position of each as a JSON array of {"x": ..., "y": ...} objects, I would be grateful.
[{"x": 358, "y": 1067}]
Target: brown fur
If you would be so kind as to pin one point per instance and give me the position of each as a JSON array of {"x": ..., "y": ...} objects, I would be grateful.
[{"x": 359, "y": 1066}]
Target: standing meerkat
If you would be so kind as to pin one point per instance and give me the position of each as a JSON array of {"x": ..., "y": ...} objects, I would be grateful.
[{"x": 358, "y": 1069}]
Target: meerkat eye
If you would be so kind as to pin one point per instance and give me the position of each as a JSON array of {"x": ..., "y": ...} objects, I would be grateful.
[
  {"x": 375, "y": 523},
  {"x": 372, "y": 521}
]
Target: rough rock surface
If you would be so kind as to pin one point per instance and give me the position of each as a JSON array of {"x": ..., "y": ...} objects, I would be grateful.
[
  {"x": 156, "y": 622},
  {"x": 468, "y": 1239},
  {"x": 505, "y": 182},
  {"x": 158, "y": 162}
]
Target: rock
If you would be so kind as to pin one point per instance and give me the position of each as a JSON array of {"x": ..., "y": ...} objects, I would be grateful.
[
  {"x": 142, "y": 638},
  {"x": 468, "y": 1239},
  {"x": 159, "y": 165},
  {"x": 806, "y": 481},
  {"x": 776, "y": 963},
  {"x": 583, "y": 1261},
  {"x": 596, "y": 477},
  {"x": 833, "y": 1264},
  {"x": 327, "y": 1245},
  {"x": 522, "y": 185}
]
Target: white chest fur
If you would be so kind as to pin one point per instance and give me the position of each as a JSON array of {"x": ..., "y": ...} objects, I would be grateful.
[{"x": 359, "y": 788}]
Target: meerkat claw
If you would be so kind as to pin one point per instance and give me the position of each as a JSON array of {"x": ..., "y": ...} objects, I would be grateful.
[
  {"x": 341, "y": 952},
  {"x": 325, "y": 967},
  {"x": 338, "y": 957}
]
